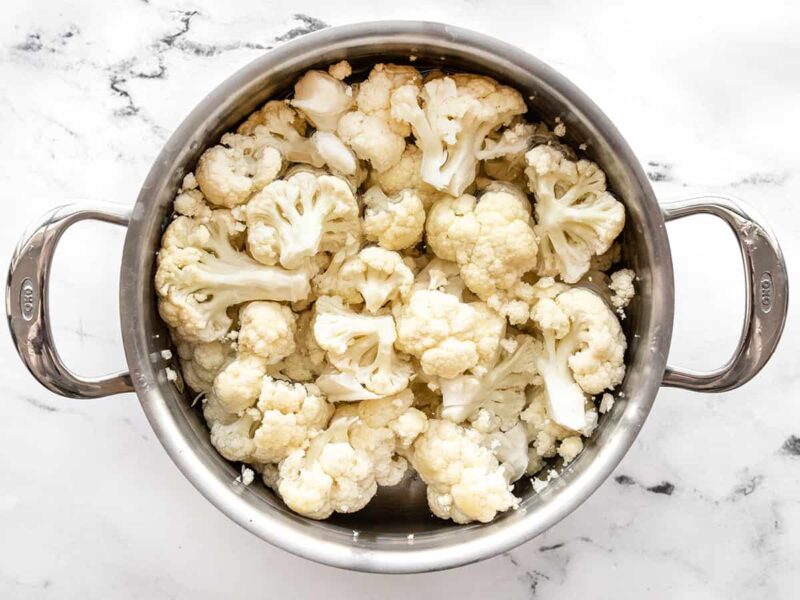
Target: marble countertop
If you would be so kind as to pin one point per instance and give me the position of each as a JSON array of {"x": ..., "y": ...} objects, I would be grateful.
[{"x": 705, "y": 505}]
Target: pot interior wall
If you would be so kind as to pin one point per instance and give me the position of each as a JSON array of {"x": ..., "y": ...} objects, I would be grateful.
[{"x": 398, "y": 512}]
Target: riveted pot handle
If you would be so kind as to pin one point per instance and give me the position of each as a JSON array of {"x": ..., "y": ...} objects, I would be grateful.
[
  {"x": 767, "y": 294},
  {"x": 27, "y": 301}
]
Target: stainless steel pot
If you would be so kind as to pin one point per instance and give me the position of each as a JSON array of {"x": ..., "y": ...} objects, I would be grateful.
[{"x": 384, "y": 542}]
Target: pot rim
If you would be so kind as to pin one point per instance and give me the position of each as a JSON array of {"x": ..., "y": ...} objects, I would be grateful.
[{"x": 295, "y": 535}]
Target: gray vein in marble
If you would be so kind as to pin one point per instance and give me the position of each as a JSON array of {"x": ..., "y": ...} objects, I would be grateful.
[
  {"x": 791, "y": 446},
  {"x": 665, "y": 487},
  {"x": 762, "y": 179},
  {"x": 659, "y": 171},
  {"x": 530, "y": 577},
  {"x": 124, "y": 71},
  {"x": 747, "y": 487}
]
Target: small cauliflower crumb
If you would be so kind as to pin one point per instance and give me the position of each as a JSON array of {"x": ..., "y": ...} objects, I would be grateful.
[
  {"x": 622, "y": 289},
  {"x": 560, "y": 129},
  {"x": 340, "y": 70},
  {"x": 606, "y": 403},
  {"x": 166, "y": 354},
  {"x": 171, "y": 374},
  {"x": 247, "y": 476},
  {"x": 570, "y": 448}
]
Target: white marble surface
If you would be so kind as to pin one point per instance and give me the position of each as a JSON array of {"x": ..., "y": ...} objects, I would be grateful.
[{"x": 707, "y": 93}]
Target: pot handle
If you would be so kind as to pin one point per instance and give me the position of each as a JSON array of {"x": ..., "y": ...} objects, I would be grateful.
[
  {"x": 27, "y": 301},
  {"x": 767, "y": 293}
]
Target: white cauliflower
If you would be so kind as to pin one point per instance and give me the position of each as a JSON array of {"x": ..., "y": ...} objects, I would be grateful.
[
  {"x": 396, "y": 222},
  {"x": 308, "y": 359},
  {"x": 292, "y": 220},
  {"x": 375, "y": 275},
  {"x": 511, "y": 449},
  {"x": 457, "y": 114},
  {"x": 547, "y": 436},
  {"x": 190, "y": 201},
  {"x": 341, "y": 70},
  {"x": 503, "y": 154},
  {"x": 375, "y": 93},
  {"x": 268, "y": 330},
  {"x": 230, "y": 173},
  {"x": 406, "y": 175},
  {"x": 200, "y": 274},
  {"x": 441, "y": 275},
  {"x": 576, "y": 218},
  {"x": 385, "y": 427},
  {"x": 200, "y": 363},
  {"x": 493, "y": 242},
  {"x": 237, "y": 386},
  {"x": 500, "y": 390},
  {"x": 465, "y": 480},
  {"x": 447, "y": 336},
  {"x": 622, "y": 289},
  {"x": 329, "y": 476},
  {"x": 361, "y": 345},
  {"x": 322, "y": 98},
  {"x": 285, "y": 417},
  {"x": 343, "y": 387},
  {"x": 371, "y": 139},
  {"x": 582, "y": 351},
  {"x": 291, "y": 415}
]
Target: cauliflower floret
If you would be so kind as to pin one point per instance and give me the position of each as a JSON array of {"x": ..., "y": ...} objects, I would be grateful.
[
  {"x": 511, "y": 142},
  {"x": 230, "y": 173},
  {"x": 371, "y": 139},
  {"x": 292, "y": 220},
  {"x": 442, "y": 275},
  {"x": 277, "y": 125},
  {"x": 582, "y": 350},
  {"x": 376, "y": 275},
  {"x": 375, "y": 93},
  {"x": 190, "y": 201},
  {"x": 499, "y": 392},
  {"x": 395, "y": 222},
  {"x": 546, "y": 435},
  {"x": 286, "y": 416},
  {"x": 322, "y": 98},
  {"x": 238, "y": 385},
  {"x": 268, "y": 330},
  {"x": 307, "y": 361},
  {"x": 503, "y": 154},
  {"x": 291, "y": 415},
  {"x": 341, "y": 160},
  {"x": 511, "y": 449},
  {"x": 406, "y": 175},
  {"x": 200, "y": 363},
  {"x": 385, "y": 427},
  {"x": 341, "y": 70},
  {"x": 465, "y": 481},
  {"x": 200, "y": 274},
  {"x": 232, "y": 438},
  {"x": 576, "y": 217},
  {"x": 330, "y": 476},
  {"x": 328, "y": 281},
  {"x": 447, "y": 335},
  {"x": 343, "y": 387},
  {"x": 456, "y": 116},
  {"x": 492, "y": 241},
  {"x": 361, "y": 345},
  {"x": 570, "y": 448},
  {"x": 622, "y": 289}
]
